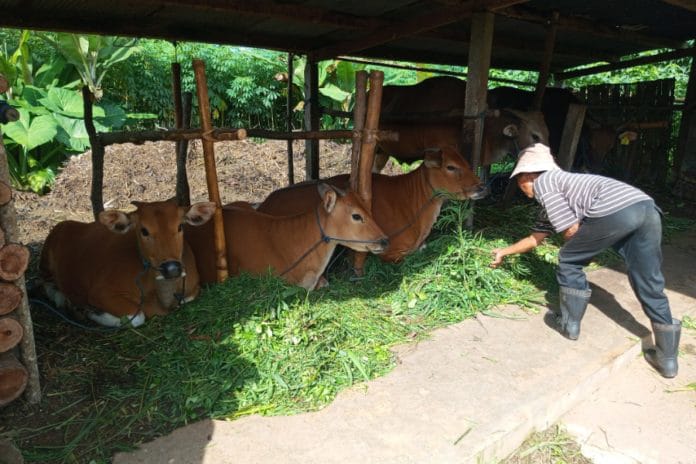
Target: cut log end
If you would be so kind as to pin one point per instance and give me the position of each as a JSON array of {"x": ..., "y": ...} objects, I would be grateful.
[
  {"x": 14, "y": 260},
  {"x": 10, "y": 297},
  {"x": 11, "y": 333},
  {"x": 13, "y": 378},
  {"x": 5, "y": 194}
]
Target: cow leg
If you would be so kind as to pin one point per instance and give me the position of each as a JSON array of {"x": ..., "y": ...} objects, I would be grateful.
[
  {"x": 109, "y": 320},
  {"x": 359, "y": 258}
]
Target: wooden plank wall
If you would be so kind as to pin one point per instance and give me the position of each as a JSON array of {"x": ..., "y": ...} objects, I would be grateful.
[{"x": 648, "y": 160}]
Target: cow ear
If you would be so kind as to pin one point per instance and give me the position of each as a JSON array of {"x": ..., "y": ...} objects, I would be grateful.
[
  {"x": 432, "y": 158},
  {"x": 116, "y": 221},
  {"x": 328, "y": 196},
  {"x": 510, "y": 130},
  {"x": 200, "y": 213}
]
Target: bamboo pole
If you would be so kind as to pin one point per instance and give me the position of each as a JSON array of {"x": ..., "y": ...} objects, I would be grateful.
[
  {"x": 183, "y": 192},
  {"x": 97, "y": 194},
  {"x": 288, "y": 119},
  {"x": 367, "y": 154},
  {"x": 210, "y": 171},
  {"x": 214, "y": 135},
  {"x": 359, "y": 111},
  {"x": 317, "y": 135}
]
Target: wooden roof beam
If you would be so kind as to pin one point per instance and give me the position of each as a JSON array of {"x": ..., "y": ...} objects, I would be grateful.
[
  {"x": 130, "y": 28},
  {"x": 512, "y": 44},
  {"x": 576, "y": 24},
  {"x": 681, "y": 53},
  {"x": 271, "y": 9},
  {"x": 411, "y": 27},
  {"x": 685, "y": 4}
]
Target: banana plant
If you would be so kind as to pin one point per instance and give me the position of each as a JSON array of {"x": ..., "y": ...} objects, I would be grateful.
[{"x": 92, "y": 55}]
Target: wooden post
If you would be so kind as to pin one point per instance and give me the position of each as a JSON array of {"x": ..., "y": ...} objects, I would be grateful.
[
  {"x": 359, "y": 111},
  {"x": 367, "y": 155},
  {"x": 538, "y": 98},
  {"x": 311, "y": 117},
  {"x": 210, "y": 172},
  {"x": 183, "y": 195},
  {"x": 97, "y": 194},
  {"x": 571, "y": 135},
  {"x": 16, "y": 377},
  {"x": 288, "y": 118},
  {"x": 480, "y": 48},
  {"x": 543, "y": 79}
]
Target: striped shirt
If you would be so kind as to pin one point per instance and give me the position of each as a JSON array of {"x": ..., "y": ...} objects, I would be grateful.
[{"x": 567, "y": 198}]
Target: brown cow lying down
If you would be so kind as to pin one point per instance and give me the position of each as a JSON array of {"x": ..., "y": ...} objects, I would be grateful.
[
  {"x": 295, "y": 247},
  {"x": 510, "y": 132},
  {"x": 127, "y": 265},
  {"x": 404, "y": 206}
]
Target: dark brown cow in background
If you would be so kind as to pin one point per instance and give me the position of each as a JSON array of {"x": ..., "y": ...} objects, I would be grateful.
[
  {"x": 596, "y": 140},
  {"x": 504, "y": 134}
]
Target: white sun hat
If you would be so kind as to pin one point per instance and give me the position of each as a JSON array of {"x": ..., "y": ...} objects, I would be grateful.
[{"x": 535, "y": 158}]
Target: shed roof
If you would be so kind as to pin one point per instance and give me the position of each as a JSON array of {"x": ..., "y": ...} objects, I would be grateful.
[{"x": 426, "y": 31}]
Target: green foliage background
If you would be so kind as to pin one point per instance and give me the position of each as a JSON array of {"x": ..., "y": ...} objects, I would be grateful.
[{"x": 246, "y": 89}]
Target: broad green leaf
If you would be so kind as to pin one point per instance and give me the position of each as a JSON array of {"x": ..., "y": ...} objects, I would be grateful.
[
  {"x": 64, "y": 101},
  {"x": 31, "y": 133},
  {"x": 334, "y": 93},
  {"x": 72, "y": 133}
]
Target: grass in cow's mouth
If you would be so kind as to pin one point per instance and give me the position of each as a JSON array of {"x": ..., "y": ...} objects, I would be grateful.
[{"x": 256, "y": 345}]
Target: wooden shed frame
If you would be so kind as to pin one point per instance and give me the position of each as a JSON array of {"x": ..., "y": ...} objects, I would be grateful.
[{"x": 552, "y": 37}]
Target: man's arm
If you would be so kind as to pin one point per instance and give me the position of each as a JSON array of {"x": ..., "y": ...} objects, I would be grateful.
[{"x": 522, "y": 246}]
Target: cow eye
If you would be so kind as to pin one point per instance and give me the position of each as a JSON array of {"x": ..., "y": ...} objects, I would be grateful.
[
  {"x": 144, "y": 232},
  {"x": 357, "y": 217},
  {"x": 451, "y": 168}
]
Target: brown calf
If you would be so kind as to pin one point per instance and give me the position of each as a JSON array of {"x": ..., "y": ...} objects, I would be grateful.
[
  {"x": 132, "y": 265},
  {"x": 295, "y": 247}
]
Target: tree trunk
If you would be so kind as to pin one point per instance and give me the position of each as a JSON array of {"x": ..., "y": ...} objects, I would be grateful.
[
  {"x": 14, "y": 260},
  {"x": 13, "y": 378},
  {"x": 10, "y": 333},
  {"x": 10, "y": 297}
]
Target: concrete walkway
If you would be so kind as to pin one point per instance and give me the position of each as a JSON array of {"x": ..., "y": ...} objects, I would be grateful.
[{"x": 476, "y": 390}]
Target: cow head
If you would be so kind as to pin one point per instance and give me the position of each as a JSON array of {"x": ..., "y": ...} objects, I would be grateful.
[
  {"x": 447, "y": 171},
  {"x": 600, "y": 141},
  {"x": 346, "y": 221},
  {"x": 159, "y": 231},
  {"x": 511, "y": 132}
]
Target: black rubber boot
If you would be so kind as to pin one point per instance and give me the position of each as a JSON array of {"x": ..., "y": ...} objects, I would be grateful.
[
  {"x": 664, "y": 356},
  {"x": 573, "y": 306}
]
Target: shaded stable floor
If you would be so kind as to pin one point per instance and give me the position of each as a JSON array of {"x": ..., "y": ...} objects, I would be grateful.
[{"x": 476, "y": 390}]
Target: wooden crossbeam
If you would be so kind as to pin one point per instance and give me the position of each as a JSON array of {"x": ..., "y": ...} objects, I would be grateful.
[{"x": 410, "y": 27}]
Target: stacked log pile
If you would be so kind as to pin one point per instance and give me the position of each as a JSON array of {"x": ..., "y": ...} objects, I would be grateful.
[
  {"x": 19, "y": 369},
  {"x": 14, "y": 259}
]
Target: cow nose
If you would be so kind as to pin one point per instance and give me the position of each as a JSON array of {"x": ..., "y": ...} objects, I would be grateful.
[
  {"x": 170, "y": 269},
  {"x": 479, "y": 192}
]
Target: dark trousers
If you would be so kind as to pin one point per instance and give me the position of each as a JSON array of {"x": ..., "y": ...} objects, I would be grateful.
[{"x": 635, "y": 232}]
